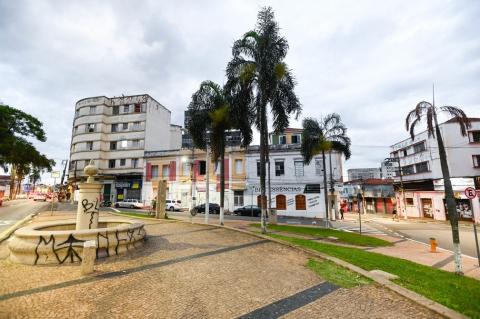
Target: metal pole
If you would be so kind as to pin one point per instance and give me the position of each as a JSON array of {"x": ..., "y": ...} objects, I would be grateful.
[
  {"x": 207, "y": 184},
  {"x": 475, "y": 232},
  {"x": 359, "y": 212},
  {"x": 403, "y": 190},
  {"x": 53, "y": 195}
]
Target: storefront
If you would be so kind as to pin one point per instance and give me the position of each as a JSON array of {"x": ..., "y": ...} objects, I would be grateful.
[{"x": 130, "y": 188}]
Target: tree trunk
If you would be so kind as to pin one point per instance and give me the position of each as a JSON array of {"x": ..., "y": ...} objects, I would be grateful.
[
  {"x": 272, "y": 218},
  {"x": 450, "y": 199},
  {"x": 12, "y": 183},
  {"x": 222, "y": 183},
  {"x": 263, "y": 120},
  {"x": 325, "y": 187},
  {"x": 332, "y": 184}
]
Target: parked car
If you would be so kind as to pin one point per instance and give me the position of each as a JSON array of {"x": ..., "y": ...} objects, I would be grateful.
[
  {"x": 212, "y": 208},
  {"x": 40, "y": 197},
  {"x": 130, "y": 203},
  {"x": 249, "y": 210},
  {"x": 172, "y": 205}
]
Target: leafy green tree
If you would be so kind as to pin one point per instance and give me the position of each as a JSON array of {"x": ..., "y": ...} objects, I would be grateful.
[
  {"x": 15, "y": 149},
  {"x": 328, "y": 134},
  {"x": 260, "y": 78},
  {"x": 210, "y": 119},
  {"x": 428, "y": 111}
]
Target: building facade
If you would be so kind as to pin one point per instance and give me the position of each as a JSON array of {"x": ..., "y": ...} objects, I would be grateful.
[
  {"x": 422, "y": 174},
  {"x": 115, "y": 133},
  {"x": 363, "y": 173},
  {"x": 185, "y": 171},
  {"x": 296, "y": 188},
  {"x": 377, "y": 195}
]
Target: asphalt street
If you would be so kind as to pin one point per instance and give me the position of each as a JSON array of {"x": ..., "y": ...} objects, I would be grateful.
[{"x": 13, "y": 211}]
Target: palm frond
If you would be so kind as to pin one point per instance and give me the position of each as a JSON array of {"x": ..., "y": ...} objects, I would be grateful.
[
  {"x": 311, "y": 139},
  {"x": 416, "y": 113},
  {"x": 459, "y": 116}
]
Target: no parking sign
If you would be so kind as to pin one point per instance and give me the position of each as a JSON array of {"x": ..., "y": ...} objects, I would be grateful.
[{"x": 470, "y": 192}]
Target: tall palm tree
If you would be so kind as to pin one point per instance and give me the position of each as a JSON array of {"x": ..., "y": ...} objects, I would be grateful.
[
  {"x": 258, "y": 72},
  {"x": 210, "y": 119},
  {"x": 327, "y": 135},
  {"x": 429, "y": 111}
]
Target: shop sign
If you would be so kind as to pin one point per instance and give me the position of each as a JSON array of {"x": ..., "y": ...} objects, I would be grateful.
[
  {"x": 458, "y": 184},
  {"x": 122, "y": 184}
]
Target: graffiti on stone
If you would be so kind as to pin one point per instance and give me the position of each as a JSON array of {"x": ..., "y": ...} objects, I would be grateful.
[
  {"x": 63, "y": 250},
  {"x": 90, "y": 209}
]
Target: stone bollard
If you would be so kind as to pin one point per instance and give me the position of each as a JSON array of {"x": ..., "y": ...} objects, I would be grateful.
[{"x": 88, "y": 257}]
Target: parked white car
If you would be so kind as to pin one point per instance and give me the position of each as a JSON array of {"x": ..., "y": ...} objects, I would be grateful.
[
  {"x": 130, "y": 203},
  {"x": 172, "y": 205}
]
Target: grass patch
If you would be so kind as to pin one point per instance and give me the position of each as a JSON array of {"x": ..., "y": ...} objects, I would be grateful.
[
  {"x": 343, "y": 236},
  {"x": 132, "y": 214},
  {"x": 456, "y": 292},
  {"x": 336, "y": 274}
]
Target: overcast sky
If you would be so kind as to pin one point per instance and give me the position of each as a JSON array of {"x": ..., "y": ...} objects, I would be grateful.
[{"x": 369, "y": 61}]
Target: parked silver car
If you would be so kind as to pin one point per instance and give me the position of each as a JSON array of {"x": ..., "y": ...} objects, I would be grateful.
[{"x": 130, "y": 203}]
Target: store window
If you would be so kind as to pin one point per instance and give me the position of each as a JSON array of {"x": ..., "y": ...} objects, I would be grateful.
[
  {"x": 281, "y": 201},
  {"x": 238, "y": 198},
  {"x": 300, "y": 202},
  {"x": 279, "y": 168}
]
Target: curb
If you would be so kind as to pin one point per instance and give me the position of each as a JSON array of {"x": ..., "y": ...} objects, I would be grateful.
[
  {"x": 147, "y": 218},
  {"x": 415, "y": 297}
]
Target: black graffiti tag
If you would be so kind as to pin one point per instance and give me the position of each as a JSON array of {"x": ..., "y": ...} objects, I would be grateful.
[{"x": 91, "y": 209}]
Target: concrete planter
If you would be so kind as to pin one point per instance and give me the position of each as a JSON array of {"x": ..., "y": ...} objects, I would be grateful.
[{"x": 59, "y": 242}]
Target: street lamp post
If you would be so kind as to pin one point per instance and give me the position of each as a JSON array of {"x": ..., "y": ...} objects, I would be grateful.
[{"x": 400, "y": 173}]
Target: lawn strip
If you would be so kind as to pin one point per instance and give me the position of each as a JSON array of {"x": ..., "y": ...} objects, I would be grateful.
[
  {"x": 336, "y": 274},
  {"x": 343, "y": 236},
  {"x": 456, "y": 292}
]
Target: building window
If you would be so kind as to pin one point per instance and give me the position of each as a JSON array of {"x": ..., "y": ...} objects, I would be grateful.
[
  {"x": 113, "y": 146},
  {"x": 239, "y": 166},
  {"x": 93, "y": 110},
  {"x": 114, "y": 128},
  {"x": 298, "y": 164},
  {"x": 258, "y": 168},
  {"x": 134, "y": 162},
  {"x": 138, "y": 108},
  {"x": 154, "y": 171},
  {"x": 300, "y": 202},
  {"x": 186, "y": 169},
  {"x": 165, "y": 171},
  {"x": 238, "y": 198},
  {"x": 123, "y": 144},
  {"x": 77, "y": 113},
  {"x": 282, "y": 139},
  {"x": 476, "y": 161},
  {"x": 115, "y": 110},
  {"x": 144, "y": 107},
  {"x": 90, "y": 128},
  {"x": 135, "y": 143},
  {"x": 279, "y": 168},
  {"x": 295, "y": 139},
  {"x": 409, "y": 201},
  {"x": 89, "y": 146},
  {"x": 126, "y": 108},
  {"x": 136, "y": 126},
  {"x": 125, "y": 126},
  {"x": 420, "y": 147},
  {"x": 111, "y": 163},
  {"x": 408, "y": 170},
  {"x": 318, "y": 167},
  {"x": 281, "y": 201},
  {"x": 75, "y": 129},
  {"x": 404, "y": 152},
  {"x": 474, "y": 136},
  {"x": 394, "y": 154},
  {"x": 202, "y": 167},
  {"x": 122, "y": 162},
  {"x": 421, "y": 167}
]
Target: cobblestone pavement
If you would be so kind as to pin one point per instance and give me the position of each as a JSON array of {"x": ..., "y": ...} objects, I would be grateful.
[{"x": 188, "y": 271}]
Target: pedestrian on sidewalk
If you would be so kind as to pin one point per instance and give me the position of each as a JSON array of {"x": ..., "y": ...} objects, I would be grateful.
[
  {"x": 341, "y": 213},
  {"x": 394, "y": 214}
]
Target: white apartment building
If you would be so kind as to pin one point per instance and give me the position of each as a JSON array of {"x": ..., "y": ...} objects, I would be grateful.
[
  {"x": 388, "y": 170},
  {"x": 296, "y": 188},
  {"x": 422, "y": 174},
  {"x": 115, "y": 133},
  {"x": 363, "y": 173}
]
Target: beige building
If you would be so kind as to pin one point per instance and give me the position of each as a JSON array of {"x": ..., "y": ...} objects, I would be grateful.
[
  {"x": 115, "y": 133},
  {"x": 185, "y": 172}
]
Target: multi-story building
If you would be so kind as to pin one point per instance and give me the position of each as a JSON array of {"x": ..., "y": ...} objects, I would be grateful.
[
  {"x": 388, "y": 170},
  {"x": 296, "y": 188},
  {"x": 185, "y": 171},
  {"x": 363, "y": 173},
  {"x": 422, "y": 174},
  {"x": 377, "y": 195},
  {"x": 115, "y": 133}
]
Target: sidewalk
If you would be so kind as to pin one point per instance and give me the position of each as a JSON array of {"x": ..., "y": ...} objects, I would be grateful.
[{"x": 192, "y": 271}]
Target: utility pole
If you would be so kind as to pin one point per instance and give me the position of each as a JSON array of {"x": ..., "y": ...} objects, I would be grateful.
[
  {"x": 332, "y": 189},
  {"x": 400, "y": 172}
]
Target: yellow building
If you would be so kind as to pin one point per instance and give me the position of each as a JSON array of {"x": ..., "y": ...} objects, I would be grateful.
[{"x": 185, "y": 172}]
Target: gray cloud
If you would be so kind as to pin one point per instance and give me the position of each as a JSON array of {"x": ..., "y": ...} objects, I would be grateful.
[{"x": 370, "y": 61}]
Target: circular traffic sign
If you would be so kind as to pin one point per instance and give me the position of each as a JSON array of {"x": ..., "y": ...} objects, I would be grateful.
[{"x": 470, "y": 192}]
